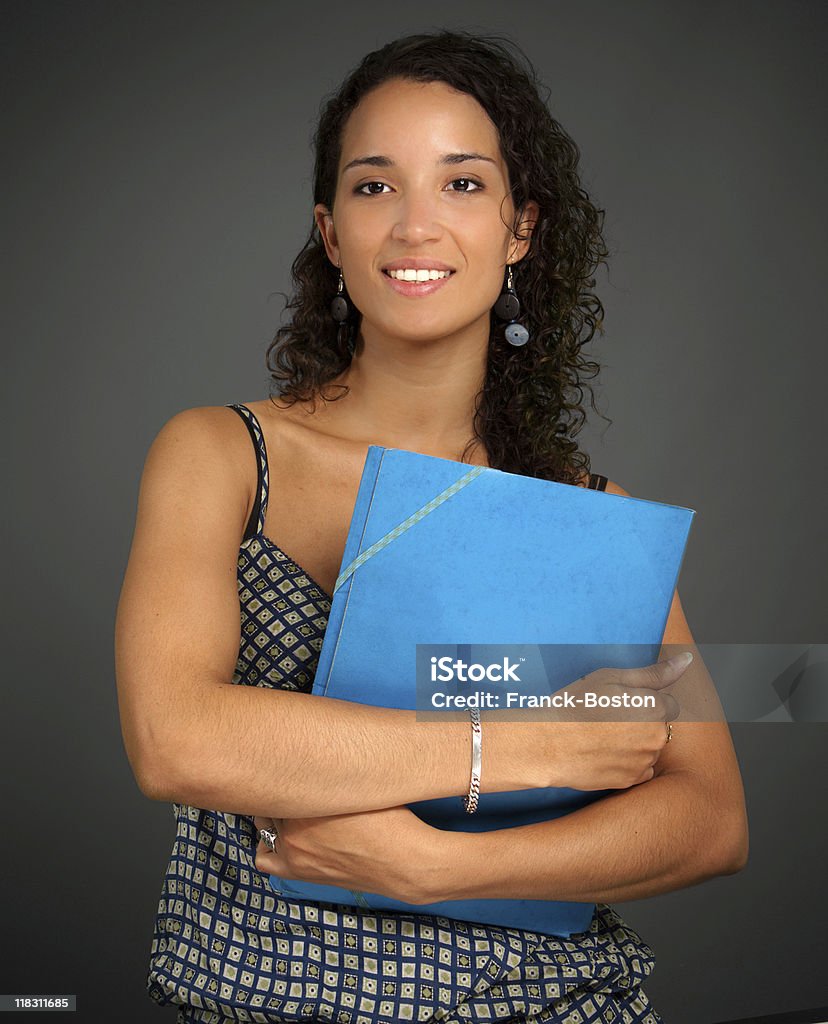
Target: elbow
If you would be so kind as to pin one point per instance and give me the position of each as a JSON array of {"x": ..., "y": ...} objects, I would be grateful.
[
  {"x": 736, "y": 854},
  {"x": 168, "y": 760},
  {"x": 721, "y": 843},
  {"x": 168, "y": 773},
  {"x": 733, "y": 848},
  {"x": 721, "y": 830},
  {"x": 154, "y": 783},
  {"x": 154, "y": 750},
  {"x": 153, "y": 770},
  {"x": 727, "y": 856},
  {"x": 737, "y": 847}
]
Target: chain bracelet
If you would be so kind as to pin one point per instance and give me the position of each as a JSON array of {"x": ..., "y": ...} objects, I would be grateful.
[{"x": 470, "y": 801}]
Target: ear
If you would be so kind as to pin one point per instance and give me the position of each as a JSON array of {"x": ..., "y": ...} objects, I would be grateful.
[
  {"x": 324, "y": 221},
  {"x": 523, "y": 234}
]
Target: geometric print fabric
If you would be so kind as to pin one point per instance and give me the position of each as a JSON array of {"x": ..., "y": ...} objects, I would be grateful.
[
  {"x": 227, "y": 947},
  {"x": 284, "y": 621}
]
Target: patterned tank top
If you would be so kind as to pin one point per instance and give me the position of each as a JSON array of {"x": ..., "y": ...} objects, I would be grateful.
[{"x": 227, "y": 947}]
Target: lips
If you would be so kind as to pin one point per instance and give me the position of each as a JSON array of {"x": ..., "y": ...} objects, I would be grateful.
[{"x": 418, "y": 289}]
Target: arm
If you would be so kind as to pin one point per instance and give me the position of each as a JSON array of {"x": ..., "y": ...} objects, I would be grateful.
[
  {"x": 687, "y": 824},
  {"x": 191, "y": 735}
]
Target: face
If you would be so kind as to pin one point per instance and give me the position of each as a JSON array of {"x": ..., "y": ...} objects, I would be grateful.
[{"x": 433, "y": 196}]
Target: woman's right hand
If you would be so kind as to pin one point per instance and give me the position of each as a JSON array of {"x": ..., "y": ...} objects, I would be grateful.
[{"x": 614, "y": 747}]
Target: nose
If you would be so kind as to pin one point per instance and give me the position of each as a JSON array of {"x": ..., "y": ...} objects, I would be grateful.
[{"x": 416, "y": 220}]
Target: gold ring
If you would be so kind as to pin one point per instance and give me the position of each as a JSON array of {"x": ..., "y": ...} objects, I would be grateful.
[{"x": 669, "y": 732}]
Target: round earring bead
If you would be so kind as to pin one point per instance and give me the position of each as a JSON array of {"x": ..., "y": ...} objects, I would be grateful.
[
  {"x": 516, "y": 334},
  {"x": 507, "y": 306},
  {"x": 339, "y": 309}
]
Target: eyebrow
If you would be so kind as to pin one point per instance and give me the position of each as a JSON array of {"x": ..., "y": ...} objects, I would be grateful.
[{"x": 386, "y": 161}]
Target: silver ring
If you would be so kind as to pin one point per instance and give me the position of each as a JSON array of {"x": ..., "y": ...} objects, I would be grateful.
[
  {"x": 269, "y": 838},
  {"x": 669, "y": 732}
]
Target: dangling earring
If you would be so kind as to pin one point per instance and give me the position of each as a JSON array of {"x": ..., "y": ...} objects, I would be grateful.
[
  {"x": 507, "y": 307},
  {"x": 339, "y": 304},
  {"x": 340, "y": 311}
]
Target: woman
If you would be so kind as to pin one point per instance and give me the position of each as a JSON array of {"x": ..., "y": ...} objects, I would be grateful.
[{"x": 437, "y": 155}]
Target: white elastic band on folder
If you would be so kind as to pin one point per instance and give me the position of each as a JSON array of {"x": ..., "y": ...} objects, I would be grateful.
[{"x": 406, "y": 524}]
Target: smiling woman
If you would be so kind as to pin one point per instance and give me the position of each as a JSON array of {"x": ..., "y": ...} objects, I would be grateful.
[
  {"x": 416, "y": 219},
  {"x": 446, "y": 201}
]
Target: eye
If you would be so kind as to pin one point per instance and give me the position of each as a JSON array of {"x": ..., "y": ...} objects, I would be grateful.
[
  {"x": 359, "y": 189},
  {"x": 468, "y": 181},
  {"x": 369, "y": 185}
]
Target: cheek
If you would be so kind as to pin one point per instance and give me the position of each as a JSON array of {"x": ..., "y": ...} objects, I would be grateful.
[
  {"x": 360, "y": 230},
  {"x": 360, "y": 251}
]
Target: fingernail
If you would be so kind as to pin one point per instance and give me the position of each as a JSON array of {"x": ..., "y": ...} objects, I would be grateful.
[{"x": 680, "y": 660}]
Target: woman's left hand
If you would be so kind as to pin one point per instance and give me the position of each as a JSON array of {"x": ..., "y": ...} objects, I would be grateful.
[{"x": 390, "y": 851}]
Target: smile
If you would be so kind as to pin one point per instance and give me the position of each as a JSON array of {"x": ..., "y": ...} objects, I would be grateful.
[
  {"x": 417, "y": 282},
  {"x": 410, "y": 274}
]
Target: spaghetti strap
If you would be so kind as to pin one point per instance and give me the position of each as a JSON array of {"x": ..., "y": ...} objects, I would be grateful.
[
  {"x": 256, "y": 522},
  {"x": 597, "y": 482}
]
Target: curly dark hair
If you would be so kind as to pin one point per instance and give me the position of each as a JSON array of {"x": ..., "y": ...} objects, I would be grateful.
[{"x": 530, "y": 407}]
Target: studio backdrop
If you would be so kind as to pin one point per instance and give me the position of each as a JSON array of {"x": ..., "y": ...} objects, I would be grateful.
[{"x": 157, "y": 185}]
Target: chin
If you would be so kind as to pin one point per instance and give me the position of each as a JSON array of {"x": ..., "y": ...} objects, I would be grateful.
[{"x": 420, "y": 331}]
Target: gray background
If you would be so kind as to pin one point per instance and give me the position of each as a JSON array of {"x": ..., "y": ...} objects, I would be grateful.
[{"x": 157, "y": 187}]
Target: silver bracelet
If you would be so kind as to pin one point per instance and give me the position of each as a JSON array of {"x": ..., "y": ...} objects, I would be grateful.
[{"x": 470, "y": 801}]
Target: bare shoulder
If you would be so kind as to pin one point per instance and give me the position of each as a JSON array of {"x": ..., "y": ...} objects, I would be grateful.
[
  {"x": 209, "y": 437},
  {"x": 206, "y": 429},
  {"x": 201, "y": 456}
]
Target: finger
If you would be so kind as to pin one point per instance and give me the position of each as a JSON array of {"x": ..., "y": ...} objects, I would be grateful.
[
  {"x": 267, "y": 827},
  {"x": 266, "y": 823},
  {"x": 672, "y": 707},
  {"x": 648, "y": 706},
  {"x": 660, "y": 674},
  {"x": 269, "y": 863}
]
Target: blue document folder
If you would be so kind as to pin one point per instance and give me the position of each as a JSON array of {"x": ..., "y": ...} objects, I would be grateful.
[{"x": 443, "y": 553}]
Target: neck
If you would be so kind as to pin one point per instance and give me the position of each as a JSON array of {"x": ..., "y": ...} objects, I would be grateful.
[{"x": 418, "y": 395}]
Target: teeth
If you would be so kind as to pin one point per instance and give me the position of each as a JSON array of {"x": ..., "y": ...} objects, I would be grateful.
[{"x": 410, "y": 274}]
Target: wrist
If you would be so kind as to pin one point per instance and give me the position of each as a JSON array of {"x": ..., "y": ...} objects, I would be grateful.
[
  {"x": 512, "y": 757},
  {"x": 442, "y": 866}
]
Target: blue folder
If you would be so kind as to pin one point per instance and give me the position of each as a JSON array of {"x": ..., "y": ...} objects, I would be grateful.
[{"x": 443, "y": 553}]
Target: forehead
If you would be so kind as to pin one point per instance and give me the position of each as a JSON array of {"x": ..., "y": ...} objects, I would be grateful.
[{"x": 402, "y": 119}]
